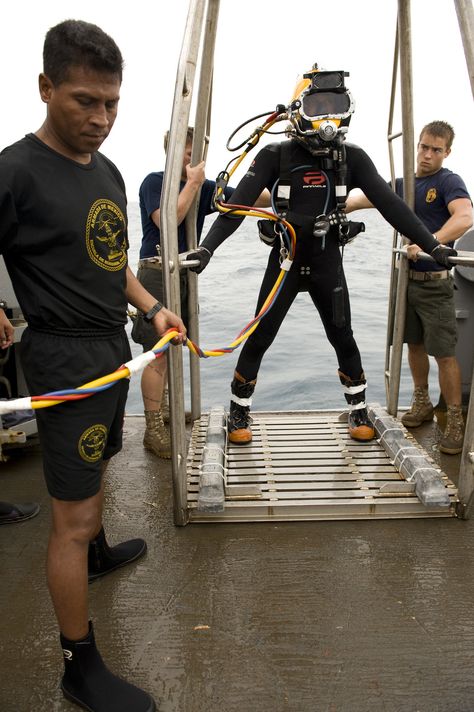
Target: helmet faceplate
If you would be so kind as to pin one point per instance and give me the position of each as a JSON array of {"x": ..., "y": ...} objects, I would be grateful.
[{"x": 321, "y": 106}]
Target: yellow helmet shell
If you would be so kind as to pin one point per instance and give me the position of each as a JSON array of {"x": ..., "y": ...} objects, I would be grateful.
[
  {"x": 308, "y": 125},
  {"x": 301, "y": 86}
]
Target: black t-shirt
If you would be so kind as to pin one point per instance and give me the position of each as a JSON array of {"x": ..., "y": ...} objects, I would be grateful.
[
  {"x": 63, "y": 235},
  {"x": 312, "y": 192}
]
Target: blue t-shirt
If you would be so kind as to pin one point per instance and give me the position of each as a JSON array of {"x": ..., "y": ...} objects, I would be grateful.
[
  {"x": 432, "y": 196},
  {"x": 150, "y": 197}
]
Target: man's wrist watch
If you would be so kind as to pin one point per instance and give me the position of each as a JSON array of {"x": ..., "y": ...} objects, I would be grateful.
[{"x": 154, "y": 310}]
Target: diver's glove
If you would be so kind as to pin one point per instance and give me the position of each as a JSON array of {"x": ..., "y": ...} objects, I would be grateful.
[
  {"x": 202, "y": 255},
  {"x": 442, "y": 253}
]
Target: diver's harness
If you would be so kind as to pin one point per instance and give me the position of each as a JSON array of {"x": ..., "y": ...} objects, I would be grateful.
[{"x": 334, "y": 158}]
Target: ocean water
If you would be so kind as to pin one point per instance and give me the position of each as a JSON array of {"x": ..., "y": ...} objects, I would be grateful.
[{"x": 299, "y": 371}]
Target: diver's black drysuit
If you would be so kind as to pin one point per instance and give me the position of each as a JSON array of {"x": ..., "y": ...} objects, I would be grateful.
[{"x": 317, "y": 266}]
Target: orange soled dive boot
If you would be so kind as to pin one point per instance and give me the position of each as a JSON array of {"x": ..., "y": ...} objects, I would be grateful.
[
  {"x": 360, "y": 425},
  {"x": 238, "y": 424}
]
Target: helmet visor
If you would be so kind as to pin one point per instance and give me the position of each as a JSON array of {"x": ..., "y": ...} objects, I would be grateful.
[{"x": 325, "y": 103}]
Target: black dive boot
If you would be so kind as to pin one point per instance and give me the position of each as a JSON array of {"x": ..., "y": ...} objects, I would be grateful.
[
  {"x": 360, "y": 426},
  {"x": 89, "y": 683},
  {"x": 102, "y": 558},
  {"x": 238, "y": 424}
]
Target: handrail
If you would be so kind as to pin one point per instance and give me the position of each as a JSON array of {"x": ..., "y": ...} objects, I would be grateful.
[
  {"x": 169, "y": 244},
  {"x": 465, "y": 15},
  {"x": 464, "y": 257},
  {"x": 202, "y": 128},
  {"x": 394, "y": 346},
  {"x": 392, "y": 294},
  {"x": 197, "y": 50}
]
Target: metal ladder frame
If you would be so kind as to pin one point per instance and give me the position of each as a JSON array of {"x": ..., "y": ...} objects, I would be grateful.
[
  {"x": 399, "y": 271},
  {"x": 198, "y": 50}
]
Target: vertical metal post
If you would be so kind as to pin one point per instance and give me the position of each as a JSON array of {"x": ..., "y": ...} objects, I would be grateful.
[
  {"x": 169, "y": 244},
  {"x": 406, "y": 85},
  {"x": 465, "y": 15},
  {"x": 392, "y": 301},
  {"x": 466, "y": 470},
  {"x": 200, "y": 142}
]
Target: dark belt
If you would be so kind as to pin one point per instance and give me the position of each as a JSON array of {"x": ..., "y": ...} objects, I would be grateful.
[
  {"x": 427, "y": 276},
  {"x": 150, "y": 264}
]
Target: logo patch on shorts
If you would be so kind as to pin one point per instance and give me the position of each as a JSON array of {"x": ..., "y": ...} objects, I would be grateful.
[
  {"x": 92, "y": 443},
  {"x": 431, "y": 195},
  {"x": 105, "y": 236}
]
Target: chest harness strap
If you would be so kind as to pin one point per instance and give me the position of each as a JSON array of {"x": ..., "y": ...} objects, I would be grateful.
[{"x": 331, "y": 158}]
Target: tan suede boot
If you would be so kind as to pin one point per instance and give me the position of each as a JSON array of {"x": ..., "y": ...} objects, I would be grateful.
[
  {"x": 165, "y": 408},
  {"x": 453, "y": 437},
  {"x": 157, "y": 436},
  {"x": 421, "y": 410}
]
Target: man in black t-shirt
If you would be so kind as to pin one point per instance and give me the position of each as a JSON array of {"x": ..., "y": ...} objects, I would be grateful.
[{"x": 63, "y": 235}]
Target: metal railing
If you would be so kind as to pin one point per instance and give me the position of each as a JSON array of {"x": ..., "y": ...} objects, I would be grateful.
[
  {"x": 197, "y": 52},
  {"x": 399, "y": 271},
  {"x": 198, "y": 46}
]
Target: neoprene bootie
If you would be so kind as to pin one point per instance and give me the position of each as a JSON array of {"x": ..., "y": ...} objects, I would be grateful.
[
  {"x": 89, "y": 683},
  {"x": 360, "y": 425},
  {"x": 238, "y": 424},
  {"x": 102, "y": 558}
]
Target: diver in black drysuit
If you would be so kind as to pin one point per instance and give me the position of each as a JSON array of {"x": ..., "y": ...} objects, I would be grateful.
[{"x": 317, "y": 266}]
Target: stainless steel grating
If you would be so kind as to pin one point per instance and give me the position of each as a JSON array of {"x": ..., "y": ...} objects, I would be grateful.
[{"x": 303, "y": 465}]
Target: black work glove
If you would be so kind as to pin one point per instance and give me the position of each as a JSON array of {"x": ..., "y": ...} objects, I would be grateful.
[
  {"x": 203, "y": 255},
  {"x": 441, "y": 253}
]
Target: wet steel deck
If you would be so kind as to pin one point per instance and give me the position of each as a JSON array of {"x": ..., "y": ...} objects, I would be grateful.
[{"x": 309, "y": 616}]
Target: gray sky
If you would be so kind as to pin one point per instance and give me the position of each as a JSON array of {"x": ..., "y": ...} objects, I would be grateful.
[{"x": 261, "y": 49}]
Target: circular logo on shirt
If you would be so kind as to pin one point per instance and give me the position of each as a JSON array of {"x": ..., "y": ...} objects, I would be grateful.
[
  {"x": 431, "y": 195},
  {"x": 92, "y": 443},
  {"x": 105, "y": 236}
]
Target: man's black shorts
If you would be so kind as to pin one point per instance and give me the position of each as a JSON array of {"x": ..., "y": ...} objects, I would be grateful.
[{"x": 76, "y": 436}]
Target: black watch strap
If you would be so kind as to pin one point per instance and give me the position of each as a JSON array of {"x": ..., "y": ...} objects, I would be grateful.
[{"x": 154, "y": 310}]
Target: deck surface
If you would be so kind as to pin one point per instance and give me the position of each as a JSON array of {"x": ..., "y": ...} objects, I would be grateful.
[{"x": 309, "y": 616}]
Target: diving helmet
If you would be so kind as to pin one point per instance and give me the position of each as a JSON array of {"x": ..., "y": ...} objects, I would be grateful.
[{"x": 321, "y": 108}]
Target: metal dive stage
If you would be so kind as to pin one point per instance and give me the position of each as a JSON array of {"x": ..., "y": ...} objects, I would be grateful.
[{"x": 301, "y": 465}]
